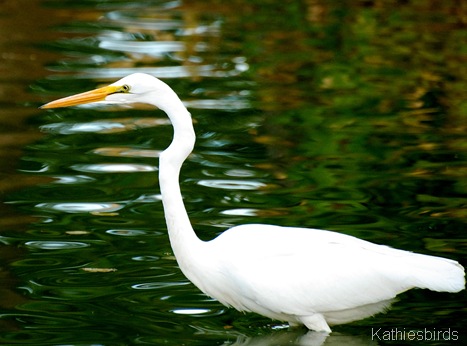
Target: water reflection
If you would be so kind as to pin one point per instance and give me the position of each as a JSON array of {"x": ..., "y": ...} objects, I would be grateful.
[
  {"x": 241, "y": 212},
  {"x": 160, "y": 72},
  {"x": 84, "y": 207},
  {"x": 329, "y": 115},
  {"x": 126, "y": 232},
  {"x": 300, "y": 338},
  {"x": 157, "y": 285},
  {"x": 127, "y": 152},
  {"x": 113, "y": 168},
  {"x": 73, "y": 179},
  {"x": 152, "y": 20},
  {"x": 105, "y": 127},
  {"x": 55, "y": 245},
  {"x": 231, "y": 184},
  {"x": 193, "y": 312},
  {"x": 157, "y": 49}
]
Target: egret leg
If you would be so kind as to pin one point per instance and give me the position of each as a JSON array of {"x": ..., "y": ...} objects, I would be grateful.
[{"x": 316, "y": 322}]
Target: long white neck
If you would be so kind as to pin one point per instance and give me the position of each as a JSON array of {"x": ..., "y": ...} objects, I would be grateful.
[{"x": 182, "y": 237}]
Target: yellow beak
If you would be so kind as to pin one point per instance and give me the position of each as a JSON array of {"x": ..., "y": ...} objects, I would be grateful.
[{"x": 86, "y": 97}]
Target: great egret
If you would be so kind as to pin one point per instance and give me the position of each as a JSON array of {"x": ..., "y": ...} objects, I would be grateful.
[{"x": 298, "y": 275}]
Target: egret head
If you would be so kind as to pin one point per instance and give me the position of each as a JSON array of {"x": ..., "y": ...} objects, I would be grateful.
[{"x": 137, "y": 87}]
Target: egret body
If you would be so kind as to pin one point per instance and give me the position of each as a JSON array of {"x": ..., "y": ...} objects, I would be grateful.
[{"x": 303, "y": 276}]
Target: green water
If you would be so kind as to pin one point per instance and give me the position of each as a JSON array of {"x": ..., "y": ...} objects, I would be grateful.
[{"x": 325, "y": 114}]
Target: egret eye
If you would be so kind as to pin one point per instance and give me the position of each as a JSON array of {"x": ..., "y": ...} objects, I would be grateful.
[{"x": 125, "y": 88}]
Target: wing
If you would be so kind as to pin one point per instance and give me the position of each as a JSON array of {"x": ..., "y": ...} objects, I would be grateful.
[{"x": 299, "y": 271}]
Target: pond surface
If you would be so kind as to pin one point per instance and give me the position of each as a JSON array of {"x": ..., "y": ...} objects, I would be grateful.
[{"x": 309, "y": 113}]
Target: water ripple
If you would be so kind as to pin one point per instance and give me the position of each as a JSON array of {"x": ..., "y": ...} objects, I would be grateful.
[
  {"x": 157, "y": 285},
  {"x": 191, "y": 311},
  {"x": 37, "y": 262},
  {"x": 114, "y": 168},
  {"x": 81, "y": 207},
  {"x": 56, "y": 245},
  {"x": 104, "y": 126},
  {"x": 145, "y": 258},
  {"x": 232, "y": 184},
  {"x": 126, "y": 152},
  {"x": 126, "y": 232},
  {"x": 135, "y": 20},
  {"x": 219, "y": 104},
  {"x": 73, "y": 179},
  {"x": 159, "y": 72},
  {"x": 151, "y": 48},
  {"x": 69, "y": 128},
  {"x": 240, "y": 212}
]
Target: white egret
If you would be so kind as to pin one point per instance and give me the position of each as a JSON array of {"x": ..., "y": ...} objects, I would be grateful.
[{"x": 299, "y": 275}]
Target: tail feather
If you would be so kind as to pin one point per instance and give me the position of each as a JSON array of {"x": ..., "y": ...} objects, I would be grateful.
[{"x": 437, "y": 273}]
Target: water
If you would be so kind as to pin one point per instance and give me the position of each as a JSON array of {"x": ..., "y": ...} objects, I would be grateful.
[{"x": 313, "y": 114}]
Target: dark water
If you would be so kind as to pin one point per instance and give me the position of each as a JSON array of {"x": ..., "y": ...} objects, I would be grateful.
[{"x": 349, "y": 117}]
